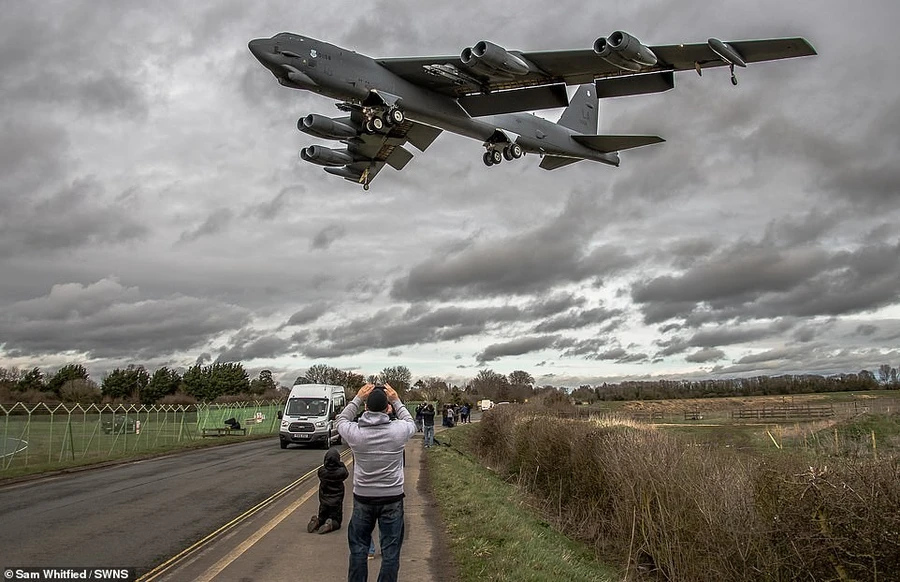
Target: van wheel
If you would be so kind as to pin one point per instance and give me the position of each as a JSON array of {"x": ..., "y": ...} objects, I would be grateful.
[{"x": 283, "y": 443}]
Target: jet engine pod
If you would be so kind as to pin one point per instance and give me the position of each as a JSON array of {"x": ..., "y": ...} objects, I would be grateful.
[
  {"x": 323, "y": 156},
  {"x": 622, "y": 50},
  {"x": 325, "y": 127},
  {"x": 489, "y": 56}
]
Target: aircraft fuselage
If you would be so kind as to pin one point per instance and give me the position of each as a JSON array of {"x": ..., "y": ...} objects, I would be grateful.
[{"x": 304, "y": 63}]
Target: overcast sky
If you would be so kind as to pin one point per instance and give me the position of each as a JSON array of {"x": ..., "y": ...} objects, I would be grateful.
[{"x": 153, "y": 209}]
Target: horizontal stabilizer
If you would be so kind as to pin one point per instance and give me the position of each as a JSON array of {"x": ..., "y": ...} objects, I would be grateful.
[
  {"x": 553, "y": 162},
  {"x": 606, "y": 144},
  {"x": 531, "y": 99}
]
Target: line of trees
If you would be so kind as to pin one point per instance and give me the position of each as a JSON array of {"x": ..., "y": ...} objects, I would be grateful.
[
  {"x": 134, "y": 383},
  {"x": 71, "y": 383}
]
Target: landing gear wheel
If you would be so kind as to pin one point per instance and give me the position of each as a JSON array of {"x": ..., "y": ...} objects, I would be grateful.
[
  {"x": 733, "y": 78},
  {"x": 377, "y": 123},
  {"x": 488, "y": 159},
  {"x": 496, "y": 156},
  {"x": 516, "y": 151},
  {"x": 507, "y": 153},
  {"x": 394, "y": 116},
  {"x": 370, "y": 127},
  {"x": 366, "y": 187}
]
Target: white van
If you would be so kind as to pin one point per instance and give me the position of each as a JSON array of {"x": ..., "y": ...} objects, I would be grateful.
[{"x": 308, "y": 416}]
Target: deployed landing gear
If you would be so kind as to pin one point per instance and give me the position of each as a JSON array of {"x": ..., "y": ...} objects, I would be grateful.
[
  {"x": 374, "y": 125},
  {"x": 496, "y": 153},
  {"x": 377, "y": 119},
  {"x": 394, "y": 116},
  {"x": 733, "y": 78}
]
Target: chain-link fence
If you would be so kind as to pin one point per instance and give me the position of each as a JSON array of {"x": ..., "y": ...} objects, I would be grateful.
[{"x": 42, "y": 436}]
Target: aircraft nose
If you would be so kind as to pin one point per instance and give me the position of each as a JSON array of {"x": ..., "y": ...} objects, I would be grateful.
[
  {"x": 264, "y": 51},
  {"x": 256, "y": 47}
]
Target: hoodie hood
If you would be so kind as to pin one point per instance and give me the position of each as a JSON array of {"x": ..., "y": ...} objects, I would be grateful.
[
  {"x": 370, "y": 418},
  {"x": 333, "y": 458}
]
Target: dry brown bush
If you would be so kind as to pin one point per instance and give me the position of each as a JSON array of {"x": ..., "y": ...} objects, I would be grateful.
[
  {"x": 177, "y": 398},
  {"x": 696, "y": 514}
]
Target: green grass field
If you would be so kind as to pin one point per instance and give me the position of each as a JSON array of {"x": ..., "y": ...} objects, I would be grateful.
[{"x": 40, "y": 441}]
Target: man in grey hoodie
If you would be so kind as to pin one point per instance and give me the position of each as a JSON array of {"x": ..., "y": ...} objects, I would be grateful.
[{"x": 377, "y": 445}]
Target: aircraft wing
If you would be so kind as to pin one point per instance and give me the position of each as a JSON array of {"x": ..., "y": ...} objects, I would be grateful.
[
  {"x": 373, "y": 151},
  {"x": 450, "y": 76}
]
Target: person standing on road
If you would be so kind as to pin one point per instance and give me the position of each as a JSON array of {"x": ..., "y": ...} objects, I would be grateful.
[
  {"x": 377, "y": 445},
  {"x": 428, "y": 424}
]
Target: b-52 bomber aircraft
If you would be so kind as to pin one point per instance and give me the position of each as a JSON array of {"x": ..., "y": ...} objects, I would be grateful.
[{"x": 483, "y": 94}]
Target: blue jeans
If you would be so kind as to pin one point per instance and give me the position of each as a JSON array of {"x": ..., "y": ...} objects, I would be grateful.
[
  {"x": 429, "y": 435},
  {"x": 389, "y": 517},
  {"x": 372, "y": 544}
]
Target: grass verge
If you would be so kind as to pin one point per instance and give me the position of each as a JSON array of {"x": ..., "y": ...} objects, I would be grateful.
[{"x": 495, "y": 535}]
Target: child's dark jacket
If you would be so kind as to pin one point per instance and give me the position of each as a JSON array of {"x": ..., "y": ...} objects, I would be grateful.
[{"x": 332, "y": 475}]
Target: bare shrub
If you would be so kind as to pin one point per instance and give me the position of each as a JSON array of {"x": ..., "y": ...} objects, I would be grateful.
[
  {"x": 177, "y": 398},
  {"x": 679, "y": 512},
  {"x": 838, "y": 521},
  {"x": 80, "y": 391}
]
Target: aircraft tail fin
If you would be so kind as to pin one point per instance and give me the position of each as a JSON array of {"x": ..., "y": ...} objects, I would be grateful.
[
  {"x": 606, "y": 144},
  {"x": 583, "y": 113}
]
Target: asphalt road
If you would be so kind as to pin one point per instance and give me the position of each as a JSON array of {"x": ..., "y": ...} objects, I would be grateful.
[{"x": 140, "y": 514}]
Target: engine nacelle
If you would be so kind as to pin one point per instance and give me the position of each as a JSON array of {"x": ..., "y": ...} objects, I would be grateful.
[
  {"x": 622, "y": 50},
  {"x": 323, "y": 156},
  {"x": 487, "y": 55},
  {"x": 325, "y": 127}
]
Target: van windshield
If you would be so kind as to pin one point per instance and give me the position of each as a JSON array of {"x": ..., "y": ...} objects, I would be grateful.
[{"x": 307, "y": 407}]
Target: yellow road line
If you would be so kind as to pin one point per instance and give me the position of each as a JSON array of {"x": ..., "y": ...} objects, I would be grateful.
[{"x": 174, "y": 560}]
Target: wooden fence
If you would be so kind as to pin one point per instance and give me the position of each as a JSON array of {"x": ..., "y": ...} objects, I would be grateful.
[{"x": 783, "y": 412}]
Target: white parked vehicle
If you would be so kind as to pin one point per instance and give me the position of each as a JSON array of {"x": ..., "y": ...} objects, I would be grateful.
[
  {"x": 308, "y": 416},
  {"x": 485, "y": 404}
]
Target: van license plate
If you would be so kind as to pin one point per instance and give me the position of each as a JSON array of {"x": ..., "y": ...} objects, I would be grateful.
[{"x": 304, "y": 436}]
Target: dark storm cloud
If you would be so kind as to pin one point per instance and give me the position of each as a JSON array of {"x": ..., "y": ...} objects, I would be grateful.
[
  {"x": 765, "y": 282},
  {"x": 251, "y": 348},
  {"x": 308, "y": 314},
  {"x": 866, "y": 329},
  {"x": 736, "y": 334},
  {"x": 532, "y": 261},
  {"x": 421, "y": 324},
  {"x": 107, "y": 320},
  {"x": 326, "y": 236},
  {"x": 271, "y": 209},
  {"x": 43, "y": 66},
  {"x": 396, "y": 327},
  {"x": 705, "y": 355},
  {"x": 215, "y": 223},
  {"x": 33, "y": 152},
  {"x": 588, "y": 347},
  {"x": 577, "y": 319},
  {"x": 515, "y": 347},
  {"x": 739, "y": 273},
  {"x": 72, "y": 217}
]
